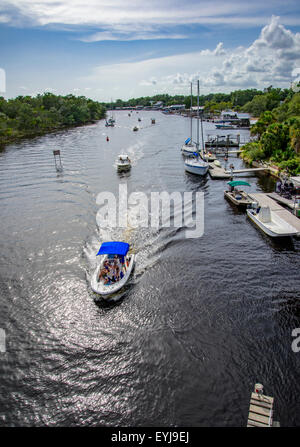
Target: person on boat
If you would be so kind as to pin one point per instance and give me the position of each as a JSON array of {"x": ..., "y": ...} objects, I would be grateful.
[{"x": 102, "y": 274}]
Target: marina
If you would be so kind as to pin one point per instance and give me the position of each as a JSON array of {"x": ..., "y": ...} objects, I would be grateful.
[{"x": 204, "y": 322}]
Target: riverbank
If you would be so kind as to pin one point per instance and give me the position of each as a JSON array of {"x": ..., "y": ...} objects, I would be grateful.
[
  {"x": 10, "y": 139},
  {"x": 273, "y": 169},
  {"x": 28, "y": 117}
]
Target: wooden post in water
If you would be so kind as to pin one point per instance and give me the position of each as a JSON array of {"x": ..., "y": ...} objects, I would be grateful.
[{"x": 57, "y": 161}]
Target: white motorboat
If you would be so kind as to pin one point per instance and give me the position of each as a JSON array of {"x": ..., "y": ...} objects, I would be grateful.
[
  {"x": 270, "y": 223},
  {"x": 123, "y": 163},
  {"x": 114, "y": 269}
]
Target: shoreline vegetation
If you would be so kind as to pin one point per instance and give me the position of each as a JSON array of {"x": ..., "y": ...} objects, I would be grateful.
[
  {"x": 277, "y": 138},
  {"x": 29, "y": 117},
  {"x": 276, "y": 132}
]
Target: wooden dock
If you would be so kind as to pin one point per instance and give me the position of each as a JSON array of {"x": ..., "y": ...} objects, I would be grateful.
[
  {"x": 283, "y": 200},
  {"x": 241, "y": 171},
  {"x": 260, "y": 411},
  {"x": 218, "y": 173},
  {"x": 264, "y": 200}
]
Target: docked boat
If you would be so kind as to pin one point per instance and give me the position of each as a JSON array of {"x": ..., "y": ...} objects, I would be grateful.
[
  {"x": 123, "y": 163},
  {"x": 270, "y": 223},
  {"x": 188, "y": 148},
  {"x": 224, "y": 126},
  {"x": 114, "y": 269},
  {"x": 197, "y": 164},
  {"x": 237, "y": 196}
]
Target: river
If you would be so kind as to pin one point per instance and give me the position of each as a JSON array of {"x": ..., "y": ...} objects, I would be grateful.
[{"x": 202, "y": 320}]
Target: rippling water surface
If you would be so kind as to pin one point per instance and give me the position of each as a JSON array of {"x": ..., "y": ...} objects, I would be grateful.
[{"x": 201, "y": 321}]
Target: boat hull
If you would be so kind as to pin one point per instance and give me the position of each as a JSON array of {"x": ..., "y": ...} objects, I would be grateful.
[
  {"x": 196, "y": 168},
  {"x": 243, "y": 202},
  {"x": 273, "y": 229}
]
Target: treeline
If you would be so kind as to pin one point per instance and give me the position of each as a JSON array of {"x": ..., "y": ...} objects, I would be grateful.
[
  {"x": 250, "y": 100},
  {"x": 278, "y": 136},
  {"x": 29, "y": 116}
]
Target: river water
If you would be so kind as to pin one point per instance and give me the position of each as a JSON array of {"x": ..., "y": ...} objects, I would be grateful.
[{"x": 202, "y": 320}]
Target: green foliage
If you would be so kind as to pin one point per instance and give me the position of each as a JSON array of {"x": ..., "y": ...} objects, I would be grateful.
[
  {"x": 253, "y": 152},
  {"x": 278, "y": 135},
  {"x": 267, "y": 101},
  {"x": 26, "y": 115},
  {"x": 265, "y": 119}
]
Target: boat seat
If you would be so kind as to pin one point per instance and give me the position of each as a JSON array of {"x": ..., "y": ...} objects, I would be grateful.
[{"x": 265, "y": 214}]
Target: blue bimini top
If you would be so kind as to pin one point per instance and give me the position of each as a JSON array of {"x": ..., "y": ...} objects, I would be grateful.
[{"x": 113, "y": 248}]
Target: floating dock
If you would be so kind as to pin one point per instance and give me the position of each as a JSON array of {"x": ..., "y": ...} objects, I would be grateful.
[
  {"x": 283, "y": 200},
  {"x": 217, "y": 172},
  {"x": 241, "y": 171},
  {"x": 261, "y": 409},
  {"x": 264, "y": 200}
]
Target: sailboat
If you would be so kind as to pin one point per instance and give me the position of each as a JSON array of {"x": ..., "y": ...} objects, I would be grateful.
[
  {"x": 111, "y": 120},
  {"x": 197, "y": 165},
  {"x": 189, "y": 147}
]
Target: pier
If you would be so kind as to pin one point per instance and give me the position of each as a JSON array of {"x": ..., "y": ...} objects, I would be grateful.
[
  {"x": 289, "y": 203},
  {"x": 241, "y": 171},
  {"x": 261, "y": 409},
  {"x": 217, "y": 172}
]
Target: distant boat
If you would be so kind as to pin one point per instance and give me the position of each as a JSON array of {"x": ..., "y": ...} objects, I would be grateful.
[
  {"x": 197, "y": 165},
  {"x": 109, "y": 123},
  {"x": 237, "y": 196},
  {"x": 123, "y": 163},
  {"x": 114, "y": 268},
  {"x": 270, "y": 223},
  {"x": 152, "y": 121},
  {"x": 225, "y": 126},
  {"x": 135, "y": 129}
]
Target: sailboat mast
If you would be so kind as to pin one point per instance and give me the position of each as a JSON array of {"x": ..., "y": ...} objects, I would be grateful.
[
  {"x": 191, "y": 112},
  {"x": 198, "y": 116},
  {"x": 202, "y": 135}
]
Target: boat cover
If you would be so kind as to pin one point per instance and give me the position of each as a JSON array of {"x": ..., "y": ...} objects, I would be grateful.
[
  {"x": 238, "y": 183},
  {"x": 113, "y": 248}
]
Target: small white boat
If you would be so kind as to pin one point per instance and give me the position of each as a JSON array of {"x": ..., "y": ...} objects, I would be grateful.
[
  {"x": 269, "y": 222},
  {"x": 196, "y": 166},
  {"x": 114, "y": 268},
  {"x": 123, "y": 163}
]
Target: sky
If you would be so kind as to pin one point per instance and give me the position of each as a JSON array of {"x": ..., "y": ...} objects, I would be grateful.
[{"x": 111, "y": 49}]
